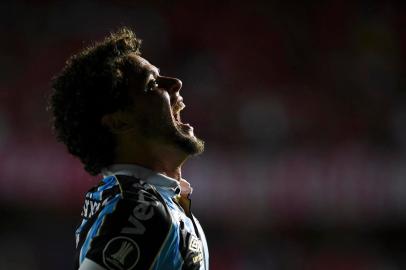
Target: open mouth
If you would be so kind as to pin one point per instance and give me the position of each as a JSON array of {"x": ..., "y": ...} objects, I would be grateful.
[{"x": 177, "y": 108}]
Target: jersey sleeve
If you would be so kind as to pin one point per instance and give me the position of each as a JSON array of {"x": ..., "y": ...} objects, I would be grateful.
[{"x": 128, "y": 233}]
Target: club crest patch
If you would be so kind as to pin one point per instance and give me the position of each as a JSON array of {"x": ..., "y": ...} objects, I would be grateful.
[{"x": 121, "y": 253}]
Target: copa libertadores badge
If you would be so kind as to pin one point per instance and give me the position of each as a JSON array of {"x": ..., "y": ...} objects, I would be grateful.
[{"x": 121, "y": 253}]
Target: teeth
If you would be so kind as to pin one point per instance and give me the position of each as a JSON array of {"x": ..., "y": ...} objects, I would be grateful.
[
  {"x": 178, "y": 107},
  {"x": 176, "y": 116},
  {"x": 176, "y": 111}
]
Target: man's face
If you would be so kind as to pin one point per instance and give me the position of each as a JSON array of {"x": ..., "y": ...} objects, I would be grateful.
[{"x": 157, "y": 107}]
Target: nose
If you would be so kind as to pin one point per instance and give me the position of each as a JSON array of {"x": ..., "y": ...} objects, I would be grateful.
[{"x": 172, "y": 85}]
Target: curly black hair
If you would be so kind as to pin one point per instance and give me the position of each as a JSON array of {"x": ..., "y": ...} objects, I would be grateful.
[{"x": 93, "y": 83}]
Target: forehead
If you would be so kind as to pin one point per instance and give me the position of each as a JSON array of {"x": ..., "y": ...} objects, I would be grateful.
[{"x": 143, "y": 66}]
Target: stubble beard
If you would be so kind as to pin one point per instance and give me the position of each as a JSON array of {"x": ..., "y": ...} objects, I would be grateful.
[
  {"x": 172, "y": 134},
  {"x": 189, "y": 144}
]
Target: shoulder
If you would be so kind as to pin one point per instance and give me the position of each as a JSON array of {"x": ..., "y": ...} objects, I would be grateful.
[
  {"x": 135, "y": 218},
  {"x": 138, "y": 208}
]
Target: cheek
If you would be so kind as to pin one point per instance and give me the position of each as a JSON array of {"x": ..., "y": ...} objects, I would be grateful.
[
  {"x": 164, "y": 96},
  {"x": 163, "y": 102},
  {"x": 160, "y": 107},
  {"x": 154, "y": 107}
]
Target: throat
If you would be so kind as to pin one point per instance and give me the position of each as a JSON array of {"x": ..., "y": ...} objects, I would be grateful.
[{"x": 185, "y": 203}]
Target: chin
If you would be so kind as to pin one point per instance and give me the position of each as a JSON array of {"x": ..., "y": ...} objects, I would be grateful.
[{"x": 188, "y": 142}]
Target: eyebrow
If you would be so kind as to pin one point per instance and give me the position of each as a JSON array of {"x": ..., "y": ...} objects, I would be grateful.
[
  {"x": 154, "y": 71},
  {"x": 147, "y": 72}
]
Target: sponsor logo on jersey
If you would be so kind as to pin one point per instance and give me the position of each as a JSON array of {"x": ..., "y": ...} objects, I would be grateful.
[
  {"x": 90, "y": 207},
  {"x": 195, "y": 246},
  {"x": 121, "y": 253},
  {"x": 143, "y": 211}
]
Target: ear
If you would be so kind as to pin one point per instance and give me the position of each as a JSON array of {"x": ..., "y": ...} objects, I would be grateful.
[{"x": 117, "y": 122}]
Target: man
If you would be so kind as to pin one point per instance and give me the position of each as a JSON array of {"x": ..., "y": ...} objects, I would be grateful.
[{"x": 115, "y": 112}]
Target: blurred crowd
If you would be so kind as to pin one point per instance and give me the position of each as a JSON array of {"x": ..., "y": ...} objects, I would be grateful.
[{"x": 302, "y": 106}]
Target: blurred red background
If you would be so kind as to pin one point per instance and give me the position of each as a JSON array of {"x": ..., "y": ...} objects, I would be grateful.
[{"x": 302, "y": 107}]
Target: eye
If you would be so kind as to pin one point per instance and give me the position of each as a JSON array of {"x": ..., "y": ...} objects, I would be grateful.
[{"x": 152, "y": 84}]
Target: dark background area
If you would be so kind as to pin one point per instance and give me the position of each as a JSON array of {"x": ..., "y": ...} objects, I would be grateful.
[{"x": 301, "y": 105}]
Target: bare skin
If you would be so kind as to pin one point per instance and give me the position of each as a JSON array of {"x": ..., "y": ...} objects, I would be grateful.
[
  {"x": 150, "y": 154},
  {"x": 150, "y": 133}
]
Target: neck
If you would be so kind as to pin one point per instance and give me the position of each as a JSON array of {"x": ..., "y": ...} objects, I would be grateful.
[{"x": 161, "y": 158}]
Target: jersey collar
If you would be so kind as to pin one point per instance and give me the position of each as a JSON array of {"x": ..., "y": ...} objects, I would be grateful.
[{"x": 151, "y": 177}]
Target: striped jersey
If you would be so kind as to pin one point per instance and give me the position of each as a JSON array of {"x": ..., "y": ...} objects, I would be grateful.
[{"x": 133, "y": 220}]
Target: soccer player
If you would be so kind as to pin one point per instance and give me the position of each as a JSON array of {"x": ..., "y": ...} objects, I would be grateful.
[{"x": 117, "y": 114}]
